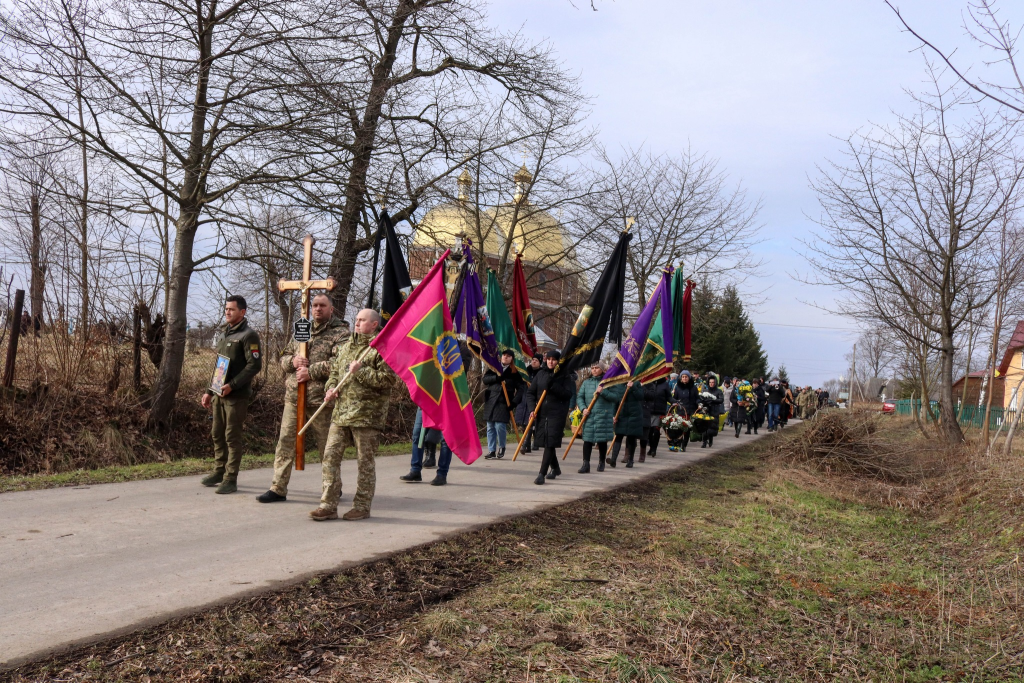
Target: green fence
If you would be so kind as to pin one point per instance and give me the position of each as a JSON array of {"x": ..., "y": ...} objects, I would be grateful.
[{"x": 966, "y": 414}]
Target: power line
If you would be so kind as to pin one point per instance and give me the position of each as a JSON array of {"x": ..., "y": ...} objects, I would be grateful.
[{"x": 808, "y": 327}]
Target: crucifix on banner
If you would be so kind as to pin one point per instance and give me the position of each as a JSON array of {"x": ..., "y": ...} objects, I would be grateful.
[{"x": 302, "y": 332}]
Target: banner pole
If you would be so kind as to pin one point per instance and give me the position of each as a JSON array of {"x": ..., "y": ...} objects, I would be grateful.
[
  {"x": 526, "y": 432},
  {"x": 579, "y": 427},
  {"x": 344, "y": 379}
]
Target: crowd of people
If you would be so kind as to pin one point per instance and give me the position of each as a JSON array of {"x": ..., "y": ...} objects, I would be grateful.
[{"x": 343, "y": 368}]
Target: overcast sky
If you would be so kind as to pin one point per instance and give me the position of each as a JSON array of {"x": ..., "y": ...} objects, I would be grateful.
[{"x": 764, "y": 86}]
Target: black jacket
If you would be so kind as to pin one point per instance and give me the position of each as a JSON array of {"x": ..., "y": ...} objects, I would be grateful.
[
  {"x": 656, "y": 397},
  {"x": 716, "y": 405},
  {"x": 775, "y": 394},
  {"x": 495, "y": 407},
  {"x": 686, "y": 396},
  {"x": 549, "y": 425}
]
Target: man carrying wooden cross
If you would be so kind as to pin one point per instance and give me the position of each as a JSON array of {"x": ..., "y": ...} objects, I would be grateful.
[{"x": 327, "y": 335}]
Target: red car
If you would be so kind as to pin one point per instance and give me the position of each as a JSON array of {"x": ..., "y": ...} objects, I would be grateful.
[{"x": 888, "y": 408}]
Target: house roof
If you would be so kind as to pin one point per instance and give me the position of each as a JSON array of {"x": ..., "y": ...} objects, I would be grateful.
[
  {"x": 1016, "y": 343},
  {"x": 977, "y": 374}
]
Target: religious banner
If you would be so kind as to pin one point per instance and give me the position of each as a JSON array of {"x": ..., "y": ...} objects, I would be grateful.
[
  {"x": 624, "y": 367},
  {"x": 420, "y": 345},
  {"x": 588, "y": 334},
  {"x": 522, "y": 315},
  {"x": 504, "y": 333},
  {"x": 472, "y": 321},
  {"x": 397, "y": 285},
  {"x": 682, "y": 308}
]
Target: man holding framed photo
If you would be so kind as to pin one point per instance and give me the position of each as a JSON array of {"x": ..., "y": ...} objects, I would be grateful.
[{"x": 239, "y": 360}]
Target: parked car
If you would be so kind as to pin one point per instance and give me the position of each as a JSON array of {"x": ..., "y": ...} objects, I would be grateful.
[{"x": 888, "y": 408}]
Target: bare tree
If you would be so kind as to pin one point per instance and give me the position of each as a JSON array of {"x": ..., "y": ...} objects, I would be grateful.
[
  {"x": 685, "y": 210},
  {"x": 906, "y": 220},
  {"x": 990, "y": 32}
]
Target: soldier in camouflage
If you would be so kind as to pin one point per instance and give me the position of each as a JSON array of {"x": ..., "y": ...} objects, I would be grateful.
[
  {"x": 327, "y": 336},
  {"x": 241, "y": 346},
  {"x": 360, "y": 411}
]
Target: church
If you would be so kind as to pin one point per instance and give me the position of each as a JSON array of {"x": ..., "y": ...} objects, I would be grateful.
[{"x": 554, "y": 277}]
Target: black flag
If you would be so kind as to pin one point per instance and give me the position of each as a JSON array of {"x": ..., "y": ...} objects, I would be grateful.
[
  {"x": 603, "y": 307},
  {"x": 397, "y": 284}
]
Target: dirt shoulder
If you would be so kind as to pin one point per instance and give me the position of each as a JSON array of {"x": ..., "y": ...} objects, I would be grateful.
[{"x": 738, "y": 568}]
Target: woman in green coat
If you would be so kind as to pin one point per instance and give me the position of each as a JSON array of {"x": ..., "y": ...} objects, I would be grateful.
[
  {"x": 598, "y": 428},
  {"x": 629, "y": 425}
]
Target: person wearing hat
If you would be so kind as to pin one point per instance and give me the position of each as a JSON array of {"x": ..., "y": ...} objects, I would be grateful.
[
  {"x": 525, "y": 406},
  {"x": 549, "y": 417},
  {"x": 685, "y": 394},
  {"x": 598, "y": 428},
  {"x": 713, "y": 404}
]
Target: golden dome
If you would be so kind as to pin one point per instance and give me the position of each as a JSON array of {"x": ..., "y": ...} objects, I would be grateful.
[{"x": 523, "y": 175}]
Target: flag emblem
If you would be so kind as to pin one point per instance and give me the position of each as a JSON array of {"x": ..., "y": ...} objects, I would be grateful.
[
  {"x": 581, "y": 322},
  {"x": 445, "y": 363}
]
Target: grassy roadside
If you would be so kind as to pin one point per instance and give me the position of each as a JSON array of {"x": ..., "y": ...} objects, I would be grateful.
[
  {"x": 158, "y": 470},
  {"x": 737, "y": 569}
]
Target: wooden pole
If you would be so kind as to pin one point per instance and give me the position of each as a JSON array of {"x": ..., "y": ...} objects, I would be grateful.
[
  {"x": 508, "y": 404},
  {"x": 344, "y": 379},
  {"x": 12, "y": 344},
  {"x": 579, "y": 427},
  {"x": 526, "y": 432}
]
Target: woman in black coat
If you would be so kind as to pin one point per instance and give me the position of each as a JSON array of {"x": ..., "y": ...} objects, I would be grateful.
[
  {"x": 550, "y": 416},
  {"x": 656, "y": 398},
  {"x": 503, "y": 392},
  {"x": 685, "y": 394},
  {"x": 715, "y": 406}
]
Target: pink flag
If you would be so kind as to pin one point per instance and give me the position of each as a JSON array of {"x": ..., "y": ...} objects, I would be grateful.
[{"x": 420, "y": 345}]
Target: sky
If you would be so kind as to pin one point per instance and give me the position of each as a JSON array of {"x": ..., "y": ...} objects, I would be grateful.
[{"x": 766, "y": 87}]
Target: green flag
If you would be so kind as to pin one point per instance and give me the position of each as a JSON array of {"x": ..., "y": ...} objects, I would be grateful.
[
  {"x": 652, "y": 365},
  {"x": 504, "y": 333}
]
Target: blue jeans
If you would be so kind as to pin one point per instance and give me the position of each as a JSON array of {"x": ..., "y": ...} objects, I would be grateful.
[
  {"x": 496, "y": 436},
  {"x": 773, "y": 414},
  {"x": 444, "y": 460}
]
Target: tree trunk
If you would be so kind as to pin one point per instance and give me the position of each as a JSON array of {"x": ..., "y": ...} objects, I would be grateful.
[
  {"x": 166, "y": 388},
  {"x": 37, "y": 269},
  {"x": 343, "y": 258},
  {"x": 949, "y": 426}
]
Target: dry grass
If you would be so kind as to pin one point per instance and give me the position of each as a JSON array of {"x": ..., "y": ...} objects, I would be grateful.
[{"x": 742, "y": 568}]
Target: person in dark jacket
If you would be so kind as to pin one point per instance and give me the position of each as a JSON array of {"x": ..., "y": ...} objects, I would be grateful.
[
  {"x": 598, "y": 428},
  {"x": 685, "y": 394},
  {"x": 503, "y": 392},
  {"x": 755, "y": 415},
  {"x": 550, "y": 416},
  {"x": 656, "y": 399},
  {"x": 714, "y": 404},
  {"x": 525, "y": 406},
  {"x": 629, "y": 425},
  {"x": 775, "y": 395},
  {"x": 739, "y": 410}
]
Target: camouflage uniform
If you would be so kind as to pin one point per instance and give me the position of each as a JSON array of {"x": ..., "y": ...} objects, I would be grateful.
[
  {"x": 359, "y": 412},
  {"x": 241, "y": 346},
  {"x": 323, "y": 345}
]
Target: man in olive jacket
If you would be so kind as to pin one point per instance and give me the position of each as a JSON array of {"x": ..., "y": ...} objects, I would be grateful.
[
  {"x": 361, "y": 409},
  {"x": 326, "y": 337},
  {"x": 241, "y": 346}
]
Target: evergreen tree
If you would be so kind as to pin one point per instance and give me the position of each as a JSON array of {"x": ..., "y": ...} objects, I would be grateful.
[
  {"x": 782, "y": 374},
  {"x": 724, "y": 339}
]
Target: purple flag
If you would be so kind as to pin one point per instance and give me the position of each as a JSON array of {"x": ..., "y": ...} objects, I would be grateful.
[
  {"x": 630, "y": 352},
  {"x": 471, "y": 318}
]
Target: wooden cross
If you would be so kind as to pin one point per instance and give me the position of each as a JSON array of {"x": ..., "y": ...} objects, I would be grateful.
[{"x": 303, "y": 286}]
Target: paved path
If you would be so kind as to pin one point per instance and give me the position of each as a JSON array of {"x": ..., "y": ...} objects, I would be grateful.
[{"x": 79, "y": 564}]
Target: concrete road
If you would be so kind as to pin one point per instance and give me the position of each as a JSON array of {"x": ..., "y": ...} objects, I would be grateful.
[{"x": 80, "y": 564}]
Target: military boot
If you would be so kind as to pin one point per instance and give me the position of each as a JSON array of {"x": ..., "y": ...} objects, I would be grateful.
[
  {"x": 229, "y": 485},
  {"x": 213, "y": 478}
]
